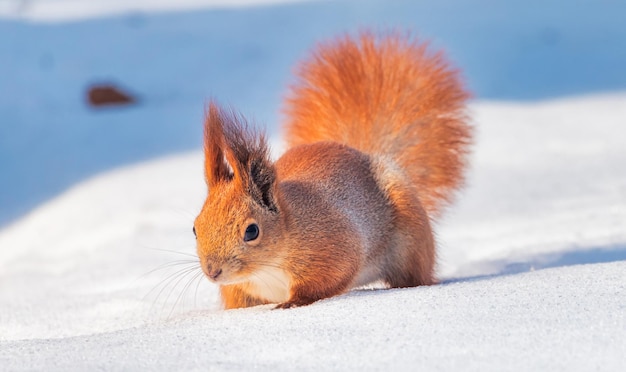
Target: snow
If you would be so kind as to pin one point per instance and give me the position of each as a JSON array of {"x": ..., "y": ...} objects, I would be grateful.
[
  {"x": 97, "y": 266},
  {"x": 67, "y": 10},
  {"x": 533, "y": 321},
  {"x": 555, "y": 167}
]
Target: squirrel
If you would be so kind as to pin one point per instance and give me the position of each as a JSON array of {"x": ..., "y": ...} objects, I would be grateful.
[{"x": 377, "y": 135}]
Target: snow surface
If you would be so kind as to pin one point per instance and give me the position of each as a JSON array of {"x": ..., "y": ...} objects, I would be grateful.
[{"x": 103, "y": 275}]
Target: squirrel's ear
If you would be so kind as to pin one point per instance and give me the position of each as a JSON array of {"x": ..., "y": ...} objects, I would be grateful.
[
  {"x": 215, "y": 167},
  {"x": 246, "y": 151},
  {"x": 262, "y": 180}
]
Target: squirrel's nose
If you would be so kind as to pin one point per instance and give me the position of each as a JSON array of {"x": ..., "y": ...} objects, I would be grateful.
[{"x": 213, "y": 272}]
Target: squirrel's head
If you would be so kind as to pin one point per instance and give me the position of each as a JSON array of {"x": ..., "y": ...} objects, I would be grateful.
[{"x": 239, "y": 225}]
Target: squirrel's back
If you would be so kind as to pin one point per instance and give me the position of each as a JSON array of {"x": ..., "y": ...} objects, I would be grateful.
[{"x": 389, "y": 97}]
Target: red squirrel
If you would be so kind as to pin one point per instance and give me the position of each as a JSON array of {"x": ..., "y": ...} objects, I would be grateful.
[{"x": 377, "y": 136}]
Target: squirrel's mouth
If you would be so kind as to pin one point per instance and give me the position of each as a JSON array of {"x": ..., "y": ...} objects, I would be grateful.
[
  {"x": 224, "y": 272},
  {"x": 224, "y": 281},
  {"x": 225, "y": 276}
]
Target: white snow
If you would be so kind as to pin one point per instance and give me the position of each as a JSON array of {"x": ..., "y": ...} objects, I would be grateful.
[
  {"x": 102, "y": 275},
  {"x": 66, "y": 10}
]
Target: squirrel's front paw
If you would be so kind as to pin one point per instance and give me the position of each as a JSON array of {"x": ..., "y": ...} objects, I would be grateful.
[
  {"x": 295, "y": 303},
  {"x": 286, "y": 305}
]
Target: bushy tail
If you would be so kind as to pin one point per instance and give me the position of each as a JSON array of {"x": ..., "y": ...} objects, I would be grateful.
[{"x": 387, "y": 96}]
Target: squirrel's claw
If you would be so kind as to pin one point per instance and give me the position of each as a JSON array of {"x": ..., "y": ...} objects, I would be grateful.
[
  {"x": 294, "y": 303},
  {"x": 285, "y": 305}
]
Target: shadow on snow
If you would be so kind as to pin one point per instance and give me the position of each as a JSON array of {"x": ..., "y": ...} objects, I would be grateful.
[{"x": 506, "y": 267}]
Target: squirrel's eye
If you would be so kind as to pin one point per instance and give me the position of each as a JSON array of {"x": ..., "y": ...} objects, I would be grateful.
[
  {"x": 194, "y": 232},
  {"x": 252, "y": 232}
]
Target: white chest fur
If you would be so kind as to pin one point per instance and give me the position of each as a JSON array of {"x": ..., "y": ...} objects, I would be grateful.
[{"x": 271, "y": 283}]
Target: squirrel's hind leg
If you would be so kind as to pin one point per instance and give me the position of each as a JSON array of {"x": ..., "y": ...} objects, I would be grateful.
[{"x": 410, "y": 261}]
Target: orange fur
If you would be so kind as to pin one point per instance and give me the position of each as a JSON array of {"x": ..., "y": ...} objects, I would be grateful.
[
  {"x": 386, "y": 96},
  {"x": 378, "y": 138}
]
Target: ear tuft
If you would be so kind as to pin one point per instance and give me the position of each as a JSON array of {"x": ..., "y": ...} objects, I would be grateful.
[
  {"x": 215, "y": 167},
  {"x": 247, "y": 153}
]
